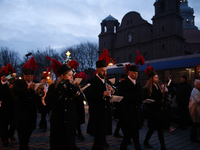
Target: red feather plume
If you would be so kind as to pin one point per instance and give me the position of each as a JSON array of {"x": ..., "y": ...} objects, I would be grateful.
[
  {"x": 73, "y": 64},
  {"x": 105, "y": 56},
  {"x": 139, "y": 59},
  {"x": 148, "y": 69},
  {"x": 31, "y": 64},
  {"x": 55, "y": 65},
  {"x": 9, "y": 69},
  {"x": 127, "y": 68},
  {"x": 3, "y": 69},
  {"x": 81, "y": 75}
]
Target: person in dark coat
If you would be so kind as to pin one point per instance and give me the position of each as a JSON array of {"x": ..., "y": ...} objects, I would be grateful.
[
  {"x": 131, "y": 90},
  {"x": 118, "y": 108},
  {"x": 153, "y": 91},
  {"x": 25, "y": 114},
  {"x": 182, "y": 99},
  {"x": 80, "y": 113},
  {"x": 42, "y": 109},
  {"x": 61, "y": 99},
  {"x": 7, "y": 110},
  {"x": 100, "y": 117}
]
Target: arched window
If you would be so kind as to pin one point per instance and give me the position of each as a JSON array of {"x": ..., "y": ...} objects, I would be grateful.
[
  {"x": 130, "y": 58},
  {"x": 105, "y": 29},
  {"x": 118, "y": 59},
  {"x": 187, "y": 22},
  {"x": 145, "y": 55}
]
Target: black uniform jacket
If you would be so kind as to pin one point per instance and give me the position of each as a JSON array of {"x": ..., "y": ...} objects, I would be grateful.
[
  {"x": 100, "y": 120},
  {"x": 25, "y": 106},
  {"x": 61, "y": 102},
  {"x": 154, "y": 109},
  {"x": 7, "y": 105},
  {"x": 131, "y": 105}
]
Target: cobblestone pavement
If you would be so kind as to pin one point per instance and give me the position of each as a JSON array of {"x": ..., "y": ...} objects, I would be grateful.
[{"x": 179, "y": 140}]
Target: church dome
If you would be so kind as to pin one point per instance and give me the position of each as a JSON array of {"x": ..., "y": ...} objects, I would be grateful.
[
  {"x": 110, "y": 18},
  {"x": 184, "y": 8}
]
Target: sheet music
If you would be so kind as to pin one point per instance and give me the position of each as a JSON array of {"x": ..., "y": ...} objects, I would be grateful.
[
  {"x": 115, "y": 98},
  {"x": 37, "y": 85},
  {"x": 148, "y": 101},
  {"x": 112, "y": 80}
]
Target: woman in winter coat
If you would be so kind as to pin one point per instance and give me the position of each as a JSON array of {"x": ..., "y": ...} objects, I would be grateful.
[
  {"x": 194, "y": 107},
  {"x": 153, "y": 91}
]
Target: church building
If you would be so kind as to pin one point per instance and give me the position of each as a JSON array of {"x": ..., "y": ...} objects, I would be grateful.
[{"x": 173, "y": 33}]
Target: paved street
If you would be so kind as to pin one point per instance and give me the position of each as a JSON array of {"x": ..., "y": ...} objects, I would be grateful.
[{"x": 174, "y": 141}]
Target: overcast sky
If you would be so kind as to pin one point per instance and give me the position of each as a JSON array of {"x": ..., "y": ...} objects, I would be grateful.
[{"x": 30, "y": 24}]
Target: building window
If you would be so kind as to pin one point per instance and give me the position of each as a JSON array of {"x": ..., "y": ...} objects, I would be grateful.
[
  {"x": 145, "y": 55},
  {"x": 130, "y": 58},
  {"x": 163, "y": 46},
  {"x": 105, "y": 29},
  {"x": 127, "y": 22},
  {"x": 163, "y": 28},
  {"x": 115, "y": 29},
  {"x": 187, "y": 22},
  {"x": 131, "y": 21},
  {"x": 130, "y": 37},
  {"x": 118, "y": 59}
]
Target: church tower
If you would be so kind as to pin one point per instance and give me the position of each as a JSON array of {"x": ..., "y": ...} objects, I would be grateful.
[
  {"x": 107, "y": 36},
  {"x": 188, "y": 15},
  {"x": 168, "y": 38}
]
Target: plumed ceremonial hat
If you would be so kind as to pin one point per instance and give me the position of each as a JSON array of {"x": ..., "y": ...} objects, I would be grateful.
[
  {"x": 30, "y": 66},
  {"x": 3, "y": 71},
  {"x": 62, "y": 69},
  {"x": 151, "y": 74},
  {"x": 54, "y": 65},
  {"x": 133, "y": 68},
  {"x": 101, "y": 63}
]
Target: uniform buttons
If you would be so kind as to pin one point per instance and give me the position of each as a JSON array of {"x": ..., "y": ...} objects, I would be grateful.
[
  {"x": 30, "y": 97},
  {"x": 65, "y": 121},
  {"x": 65, "y": 98},
  {"x": 105, "y": 106},
  {"x": 65, "y": 109},
  {"x": 58, "y": 91},
  {"x": 70, "y": 88}
]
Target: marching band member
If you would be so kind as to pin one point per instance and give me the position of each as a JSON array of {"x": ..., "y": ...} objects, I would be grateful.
[
  {"x": 7, "y": 108},
  {"x": 61, "y": 98},
  {"x": 26, "y": 105},
  {"x": 97, "y": 95},
  {"x": 131, "y": 90},
  {"x": 153, "y": 91}
]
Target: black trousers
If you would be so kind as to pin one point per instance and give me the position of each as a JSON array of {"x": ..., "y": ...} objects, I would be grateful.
[
  {"x": 99, "y": 141},
  {"x": 183, "y": 115},
  {"x": 43, "y": 121},
  {"x": 5, "y": 131},
  {"x": 24, "y": 137},
  {"x": 194, "y": 134},
  {"x": 134, "y": 135},
  {"x": 118, "y": 126},
  {"x": 160, "y": 136}
]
